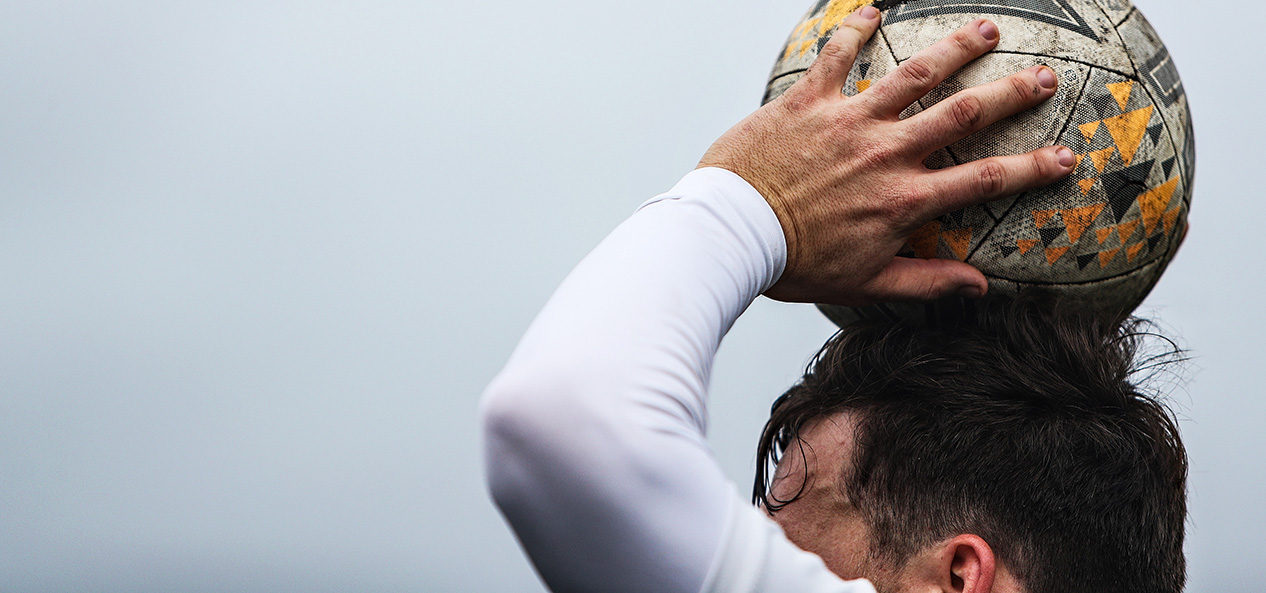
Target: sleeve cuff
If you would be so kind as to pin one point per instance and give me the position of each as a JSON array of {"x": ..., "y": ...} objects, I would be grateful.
[{"x": 724, "y": 188}]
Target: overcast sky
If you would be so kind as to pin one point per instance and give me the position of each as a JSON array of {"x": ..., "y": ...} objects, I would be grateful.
[{"x": 259, "y": 258}]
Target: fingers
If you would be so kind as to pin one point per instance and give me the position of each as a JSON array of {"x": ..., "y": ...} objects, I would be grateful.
[
  {"x": 910, "y": 279},
  {"x": 993, "y": 178},
  {"x": 969, "y": 111},
  {"x": 926, "y": 69},
  {"x": 829, "y": 72}
]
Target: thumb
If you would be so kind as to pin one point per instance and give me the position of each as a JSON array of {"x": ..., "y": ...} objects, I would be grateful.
[{"x": 910, "y": 279}]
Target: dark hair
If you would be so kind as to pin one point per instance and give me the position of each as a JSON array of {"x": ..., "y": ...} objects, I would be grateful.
[{"x": 1022, "y": 427}]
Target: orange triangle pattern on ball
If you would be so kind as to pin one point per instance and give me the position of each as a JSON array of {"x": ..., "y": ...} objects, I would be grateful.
[{"x": 1120, "y": 107}]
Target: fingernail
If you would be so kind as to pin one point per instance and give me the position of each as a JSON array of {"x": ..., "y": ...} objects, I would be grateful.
[
  {"x": 1046, "y": 77},
  {"x": 869, "y": 12},
  {"x": 970, "y": 292},
  {"x": 988, "y": 30},
  {"x": 1066, "y": 157}
]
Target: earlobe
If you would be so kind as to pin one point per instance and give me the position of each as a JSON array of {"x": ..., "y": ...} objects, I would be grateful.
[{"x": 971, "y": 565}]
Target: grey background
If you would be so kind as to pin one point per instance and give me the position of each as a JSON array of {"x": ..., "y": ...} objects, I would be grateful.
[{"x": 258, "y": 259}]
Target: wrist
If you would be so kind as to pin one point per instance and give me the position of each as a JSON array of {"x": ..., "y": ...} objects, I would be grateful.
[{"x": 756, "y": 231}]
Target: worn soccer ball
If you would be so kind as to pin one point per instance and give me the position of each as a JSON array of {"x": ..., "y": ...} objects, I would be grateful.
[{"x": 1101, "y": 237}]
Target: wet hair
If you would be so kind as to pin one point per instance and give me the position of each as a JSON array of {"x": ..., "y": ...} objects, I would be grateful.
[{"x": 1022, "y": 426}]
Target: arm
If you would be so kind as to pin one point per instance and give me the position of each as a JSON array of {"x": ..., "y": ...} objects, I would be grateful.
[{"x": 595, "y": 430}]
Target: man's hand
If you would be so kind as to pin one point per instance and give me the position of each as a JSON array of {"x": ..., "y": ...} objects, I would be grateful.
[{"x": 845, "y": 175}]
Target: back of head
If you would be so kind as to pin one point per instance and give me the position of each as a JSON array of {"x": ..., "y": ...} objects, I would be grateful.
[{"x": 1022, "y": 427}]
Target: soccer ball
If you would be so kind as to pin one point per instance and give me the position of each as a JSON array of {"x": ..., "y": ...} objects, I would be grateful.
[{"x": 1101, "y": 237}]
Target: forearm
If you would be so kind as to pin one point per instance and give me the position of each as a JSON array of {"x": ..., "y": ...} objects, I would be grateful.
[{"x": 595, "y": 430}]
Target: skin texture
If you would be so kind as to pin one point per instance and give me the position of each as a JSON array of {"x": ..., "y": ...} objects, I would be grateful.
[
  {"x": 845, "y": 175},
  {"x": 822, "y": 520},
  {"x": 823, "y": 512}
]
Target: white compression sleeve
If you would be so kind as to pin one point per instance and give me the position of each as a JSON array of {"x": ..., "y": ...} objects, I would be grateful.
[{"x": 594, "y": 431}]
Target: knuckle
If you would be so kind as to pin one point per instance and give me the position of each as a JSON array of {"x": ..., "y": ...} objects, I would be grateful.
[
  {"x": 843, "y": 122},
  {"x": 859, "y": 37},
  {"x": 964, "y": 43},
  {"x": 918, "y": 70},
  {"x": 904, "y": 204},
  {"x": 1041, "y": 165},
  {"x": 834, "y": 49},
  {"x": 849, "y": 27},
  {"x": 798, "y": 99},
  {"x": 875, "y": 155},
  {"x": 967, "y": 112},
  {"x": 990, "y": 179}
]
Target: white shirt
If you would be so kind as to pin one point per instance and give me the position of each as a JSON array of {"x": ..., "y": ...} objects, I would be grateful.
[{"x": 594, "y": 432}]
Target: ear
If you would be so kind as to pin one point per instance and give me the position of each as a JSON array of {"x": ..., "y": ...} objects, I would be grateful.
[{"x": 967, "y": 565}]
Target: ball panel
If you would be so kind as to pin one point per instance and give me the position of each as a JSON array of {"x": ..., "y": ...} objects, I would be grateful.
[{"x": 1074, "y": 30}]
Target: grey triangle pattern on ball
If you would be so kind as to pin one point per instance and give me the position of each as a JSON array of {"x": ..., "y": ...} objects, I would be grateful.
[
  {"x": 1159, "y": 76},
  {"x": 1103, "y": 236},
  {"x": 1123, "y": 187}
]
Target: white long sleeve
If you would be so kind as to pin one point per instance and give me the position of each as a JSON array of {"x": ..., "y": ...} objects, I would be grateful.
[{"x": 595, "y": 431}]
